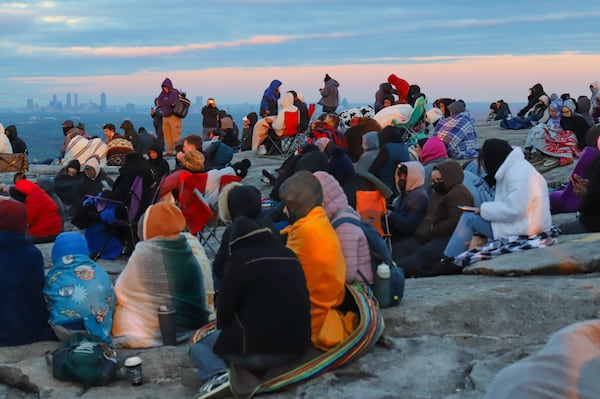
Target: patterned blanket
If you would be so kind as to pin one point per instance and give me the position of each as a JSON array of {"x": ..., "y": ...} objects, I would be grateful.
[{"x": 507, "y": 245}]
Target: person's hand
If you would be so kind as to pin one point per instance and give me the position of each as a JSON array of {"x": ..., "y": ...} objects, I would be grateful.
[
  {"x": 180, "y": 156},
  {"x": 580, "y": 185}
]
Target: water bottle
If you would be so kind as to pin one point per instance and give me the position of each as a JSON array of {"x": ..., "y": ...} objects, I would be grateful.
[{"x": 383, "y": 285}]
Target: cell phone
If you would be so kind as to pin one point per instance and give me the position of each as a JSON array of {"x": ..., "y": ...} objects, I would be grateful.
[{"x": 467, "y": 208}]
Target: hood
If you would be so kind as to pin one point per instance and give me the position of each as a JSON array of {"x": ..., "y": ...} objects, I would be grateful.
[
  {"x": 163, "y": 220},
  {"x": 13, "y": 216},
  {"x": 492, "y": 154},
  {"x": 25, "y": 186},
  {"x": 544, "y": 99},
  {"x": 400, "y": 84},
  {"x": 238, "y": 200},
  {"x": 434, "y": 148},
  {"x": 390, "y": 134},
  {"x": 167, "y": 83},
  {"x": 301, "y": 193},
  {"x": 386, "y": 88},
  {"x": 370, "y": 141},
  {"x": 244, "y": 228},
  {"x": 451, "y": 172},
  {"x": 334, "y": 198},
  {"x": 69, "y": 243},
  {"x": 226, "y": 123},
  {"x": 274, "y": 85},
  {"x": 94, "y": 164},
  {"x": 537, "y": 90},
  {"x": 287, "y": 100},
  {"x": 456, "y": 107},
  {"x": 583, "y": 105},
  {"x": 340, "y": 166},
  {"x": 127, "y": 125},
  {"x": 595, "y": 86},
  {"x": 12, "y": 129},
  {"x": 415, "y": 175},
  {"x": 158, "y": 148}
]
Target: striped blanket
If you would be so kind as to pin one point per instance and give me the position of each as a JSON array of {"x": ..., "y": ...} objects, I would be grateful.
[{"x": 313, "y": 362}]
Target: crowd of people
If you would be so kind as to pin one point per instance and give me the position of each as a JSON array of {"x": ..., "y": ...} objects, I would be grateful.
[{"x": 443, "y": 191}]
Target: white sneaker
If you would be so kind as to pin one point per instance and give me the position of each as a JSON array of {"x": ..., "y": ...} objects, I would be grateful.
[
  {"x": 262, "y": 150},
  {"x": 213, "y": 386}
]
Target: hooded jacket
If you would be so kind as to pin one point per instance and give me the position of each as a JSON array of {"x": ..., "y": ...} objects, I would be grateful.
[
  {"x": 287, "y": 105},
  {"x": 77, "y": 289},
  {"x": 442, "y": 212},
  {"x": 536, "y": 91},
  {"x": 385, "y": 89},
  {"x": 130, "y": 134},
  {"x": 314, "y": 241},
  {"x": 43, "y": 216},
  {"x": 355, "y": 246},
  {"x": 411, "y": 206},
  {"x": 263, "y": 306},
  {"x": 18, "y": 145},
  {"x": 521, "y": 205},
  {"x": 167, "y": 100},
  {"x": 330, "y": 94},
  {"x": 269, "y": 99},
  {"x": 354, "y": 136},
  {"x": 370, "y": 146}
]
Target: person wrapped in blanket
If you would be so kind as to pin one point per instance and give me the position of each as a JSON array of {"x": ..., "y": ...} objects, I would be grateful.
[
  {"x": 79, "y": 293},
  {"x": 162, "y": 270},
  {"x": 457, "y": 131},
  {"x": 325, "y": 270},
  {"x": 520, "y": 206},
  {"x": 263, "y": 307}
]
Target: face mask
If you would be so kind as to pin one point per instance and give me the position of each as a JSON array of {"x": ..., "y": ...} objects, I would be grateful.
[{"x": 439, "y": 188}]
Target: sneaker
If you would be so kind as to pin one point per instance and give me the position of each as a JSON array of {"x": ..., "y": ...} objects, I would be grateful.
[
  {"x": 271, "y": 177},
  {"x": 216, "y": 384},
  {"x": 262, "y": 150}
]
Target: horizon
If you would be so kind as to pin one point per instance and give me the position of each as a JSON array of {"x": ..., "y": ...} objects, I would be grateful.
[{"x": 476, "y": 51}]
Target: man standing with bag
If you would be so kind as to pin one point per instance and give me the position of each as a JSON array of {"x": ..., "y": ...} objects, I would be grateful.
[{"x": 171, "y": 123}]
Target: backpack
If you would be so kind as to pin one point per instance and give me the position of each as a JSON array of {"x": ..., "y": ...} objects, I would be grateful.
[
  {"x": 84, "y": 358},
  {"x": 181, "y": 106},
  {"x": 380, "y": 253}
]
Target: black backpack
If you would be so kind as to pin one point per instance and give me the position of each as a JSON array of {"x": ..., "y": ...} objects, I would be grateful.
[
  {"x": 380, "y": 253},
  {"x": 181, "y": 106}
]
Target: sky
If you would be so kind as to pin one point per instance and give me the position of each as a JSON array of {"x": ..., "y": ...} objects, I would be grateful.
[{"x": 479, "y": 51}]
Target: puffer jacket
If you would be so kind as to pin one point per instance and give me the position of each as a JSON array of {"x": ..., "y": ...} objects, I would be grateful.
[{"x": 355, "y": 246}]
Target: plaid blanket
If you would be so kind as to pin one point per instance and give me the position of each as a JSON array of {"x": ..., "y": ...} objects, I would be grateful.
[
  {"x": 507, "y": 245},
  {"x": 459, "y": 135}
]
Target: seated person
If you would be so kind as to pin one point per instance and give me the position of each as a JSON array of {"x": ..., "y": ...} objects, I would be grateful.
[
  {"x": 353, "y": 241},
  {"x": 502, "y": 110},
  {"x": 117, "y": 146},
  {"x": 262, "y": 322},
  {"x": 81, "y": 149},
  {"x": 457, "y": 132},
  {"x": 539, "y": 113},
  {"x": 433, "y": 151},
  {"x": 410, "y": 207},
  {"x": 17, "y": 144},
  {"x": 574, "y": 122},
  {"x": 159, "y": 166},
  {"x": 277, "y": 123},
  {"x": 370, "y": 148},
  {"x": 131, "y": 134},
  {"x": 146, "y": 141},
  {"x": 325, "y": 271},
  {"x": 95, "y": 179},
  {"x": 162, "y": 270},
  {"x": 227, "y": 135},
  {"x": 420, "y": 256},
  {"x": 67, "y": 183},
  {"x": 392, "y": 150},
  {"x": 43, "y": 216},
  {"x": 520, "y": 206},
  {"x": 236, "y": 200},
  {"x": 79, "y": 293},
  {"x": 23, "y": 311},
  {"x": 358, "y": 128},
  {"x": 218, "y": 154},
  {"x": 588, "y": 190}
]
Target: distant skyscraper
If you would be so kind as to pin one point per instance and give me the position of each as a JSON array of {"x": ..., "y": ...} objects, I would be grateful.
[
  {"x": 199, "y": 103},
  {"x": 68, "y": 100},
  {"x": 75, "y": 101},
  {"x": 30, "y": 104},
  {"x": 103, "y": 102},
  {"x": 54, "y": 102}
]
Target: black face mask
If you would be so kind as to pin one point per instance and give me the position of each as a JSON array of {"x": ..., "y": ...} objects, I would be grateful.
[{"x": 439, "y": 188}]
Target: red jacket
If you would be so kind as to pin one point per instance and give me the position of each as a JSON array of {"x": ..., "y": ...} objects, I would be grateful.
[{"x": 43, "y": 216}]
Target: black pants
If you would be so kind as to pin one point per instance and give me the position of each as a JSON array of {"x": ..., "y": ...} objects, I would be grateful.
[{"x": 423, "y": 259}]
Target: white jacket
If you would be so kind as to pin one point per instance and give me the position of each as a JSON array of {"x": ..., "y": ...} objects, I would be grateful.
[
  {"x": 5, "y": 146},
  {"x": 521, "y": 205}
]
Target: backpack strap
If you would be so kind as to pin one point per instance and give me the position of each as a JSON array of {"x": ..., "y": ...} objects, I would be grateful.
[{"x": 360, "y": 224}]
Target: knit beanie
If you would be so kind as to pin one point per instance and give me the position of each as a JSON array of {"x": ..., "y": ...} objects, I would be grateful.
[
  {"x": 370, "y": 141},
  {"x": 223, "y": 202},
  {"x": 13, "y": 216},
  {"x": 340, "y": 166},
  {"x": 457, "y": 107},
  {"x": 545, "y": 99},
  {"x": 193, "y": 161},
  {"x": 161, "y": 220},
  {"x": 569, "y": 103},
  {"x": 69, "y": 243}
]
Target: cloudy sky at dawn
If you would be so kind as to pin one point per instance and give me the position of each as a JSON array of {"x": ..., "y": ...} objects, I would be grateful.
[{"x": 231, "y": 50}]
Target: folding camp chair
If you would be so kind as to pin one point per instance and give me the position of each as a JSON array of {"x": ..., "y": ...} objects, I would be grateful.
[
  {"x": 14, "y": 162},
  {"x": 409, "y": 128},
  {"x": 191, "y": 199},
  {"x": 372, "y": 208},
  {"x": 119, "y": 216},
  {"x": 286, "y": 144}
]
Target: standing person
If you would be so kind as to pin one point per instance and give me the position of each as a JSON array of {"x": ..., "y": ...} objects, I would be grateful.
[
  {"x": 329, "y": 94},
  {"x": 5, "y": 146},
  {"x": 209, "y": 118},
  {"x": 171, "y": 123},
  {"x": 157, "y": 122},
  {"x": 23, "y": 311},
  {"x": 18, "y": 145},
  {"x": 268, "y": 103}
]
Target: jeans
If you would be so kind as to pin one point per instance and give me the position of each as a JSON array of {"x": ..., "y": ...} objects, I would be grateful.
[{"x": 468, "y": 224}]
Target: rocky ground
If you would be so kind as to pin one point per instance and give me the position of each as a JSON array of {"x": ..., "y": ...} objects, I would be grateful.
[{"x": 447, "y": 339}]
